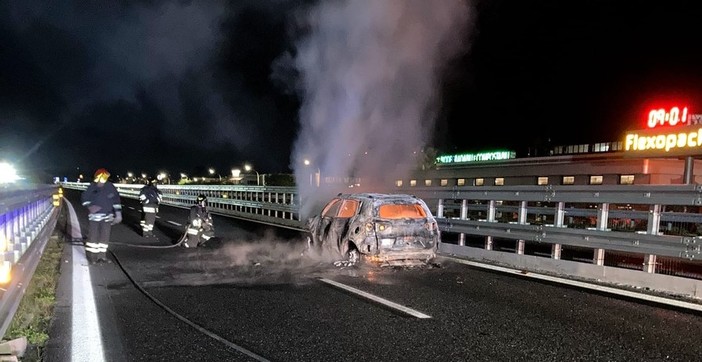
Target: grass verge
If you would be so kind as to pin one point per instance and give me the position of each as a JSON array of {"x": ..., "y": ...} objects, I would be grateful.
[{"x": 33, "y": 316}]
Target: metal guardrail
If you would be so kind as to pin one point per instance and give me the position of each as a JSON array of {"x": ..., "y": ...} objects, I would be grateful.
[
  {"x": 273, "y": 205},
  {"x": 624, "y": 218},
  {"x": 27, "y": 220}
]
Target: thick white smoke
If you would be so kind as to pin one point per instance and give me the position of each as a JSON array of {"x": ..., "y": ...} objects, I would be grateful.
[{"x": 369, "y": 80}]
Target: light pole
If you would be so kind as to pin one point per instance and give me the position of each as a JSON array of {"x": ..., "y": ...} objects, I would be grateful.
[{"x": 248, "y": 168}]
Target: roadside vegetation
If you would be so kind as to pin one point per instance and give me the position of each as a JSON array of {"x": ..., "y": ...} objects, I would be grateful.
[{"x": 35, "y": 311}]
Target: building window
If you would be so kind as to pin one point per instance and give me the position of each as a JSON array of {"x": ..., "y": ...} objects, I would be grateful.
[
  {"x": 444, "y": 182},
  {"x": 427, "y": 182},
  {"x": 413, "y": 183},
  {"x": 626, "y": 179},
  {"x": 542, "y": 181},
  {"x": 499, "y": 181},
  {"x": 398, "y": 183},
  {"x": 461, "y": 182},
  {"x": 595, "y": 180},
  {"x": 479, "y": 182},
  {"x": 568, "y": 180}
]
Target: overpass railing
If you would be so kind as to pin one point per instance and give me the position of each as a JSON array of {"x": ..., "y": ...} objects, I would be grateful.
[{"x": 594, "y": 231}]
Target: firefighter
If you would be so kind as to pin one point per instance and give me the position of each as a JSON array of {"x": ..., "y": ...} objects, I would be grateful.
[
  {"x": 200, "y": 228},
  {"x": 104, "y": 210},
  {"x": 150, "y": 198}
]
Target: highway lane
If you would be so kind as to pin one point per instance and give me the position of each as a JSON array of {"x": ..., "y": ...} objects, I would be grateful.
[{"x": 255, "y": 298}]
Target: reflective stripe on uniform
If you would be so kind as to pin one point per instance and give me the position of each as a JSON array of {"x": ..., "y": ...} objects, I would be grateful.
[
  {"x": 96, "y": 247},
  {"x": 193, "y": 231},
  {"x": 101, "y": 217},
  {"x": 149, "y": 209},
  {"x": 92, "y": 250}
]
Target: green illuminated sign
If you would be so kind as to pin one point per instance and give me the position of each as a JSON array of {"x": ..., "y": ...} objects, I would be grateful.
[{"x": 476, "y": 157}]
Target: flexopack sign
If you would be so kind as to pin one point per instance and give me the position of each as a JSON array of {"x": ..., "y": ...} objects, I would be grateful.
[{"x": 670, "y": 131}]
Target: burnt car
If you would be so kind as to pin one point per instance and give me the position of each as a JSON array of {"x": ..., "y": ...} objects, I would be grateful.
[{"x": 387, "y": 229}]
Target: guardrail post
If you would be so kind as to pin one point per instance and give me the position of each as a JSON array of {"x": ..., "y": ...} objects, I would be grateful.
[
  {"x": 490, "y": 218},
  {"x": 654, "y": 224},
  {"x": 602, "y": 218},
  {"x": 491, "y": 211},
  {"x": 522, "y": 220},
  {"x": 464, "y": 215},
  {"x": 556, "y": 249}
]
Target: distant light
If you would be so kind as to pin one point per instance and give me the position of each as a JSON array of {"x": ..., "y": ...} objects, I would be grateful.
[
  {"x": 8, "y": 174},
  {"x": 5, "y": 275}
]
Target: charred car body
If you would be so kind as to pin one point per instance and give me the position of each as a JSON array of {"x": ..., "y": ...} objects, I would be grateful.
[{"x": 382, "y": 228}]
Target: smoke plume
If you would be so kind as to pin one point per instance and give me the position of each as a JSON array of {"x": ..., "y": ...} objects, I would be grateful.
[{"x": 369, "y": 74}]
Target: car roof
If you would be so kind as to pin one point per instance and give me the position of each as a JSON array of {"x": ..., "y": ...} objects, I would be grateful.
[{"x": 378, "y": 196}]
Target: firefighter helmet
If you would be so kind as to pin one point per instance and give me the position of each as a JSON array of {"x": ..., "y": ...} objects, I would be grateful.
[
  {"x": 101, "y": 175},
  {"x": 201, "y": 199}
]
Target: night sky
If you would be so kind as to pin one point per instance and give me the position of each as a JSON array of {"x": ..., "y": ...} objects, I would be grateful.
[{"x": 356, "y": 87}]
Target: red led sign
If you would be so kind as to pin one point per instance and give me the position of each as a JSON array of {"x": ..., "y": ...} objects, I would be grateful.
[{"x": 672, "y": 116}]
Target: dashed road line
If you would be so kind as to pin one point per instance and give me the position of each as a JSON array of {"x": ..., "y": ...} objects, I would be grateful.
[{"x": 377, "y": 299}]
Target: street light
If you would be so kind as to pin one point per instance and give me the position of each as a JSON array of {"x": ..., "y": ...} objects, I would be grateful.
[
  {"x": 317, "y": 175},
  {"x": 212, "y": 172},
  {"x": 236, "y": 175},
  {"x": 248, "y": 168}
]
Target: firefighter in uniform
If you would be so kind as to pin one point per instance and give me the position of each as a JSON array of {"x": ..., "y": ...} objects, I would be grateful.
[
  {"x": 150, "y": 198},
  {"x": 104, "y": 210},
  {"x": 200, "y": 228}
]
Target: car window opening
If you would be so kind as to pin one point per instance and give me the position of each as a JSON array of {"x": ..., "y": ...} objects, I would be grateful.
[
  {"x": 401, "y": 211},
  {"x": 348, "y": 208}
]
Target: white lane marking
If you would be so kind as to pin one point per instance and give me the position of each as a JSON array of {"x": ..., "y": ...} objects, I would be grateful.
[
  {"x": 86, "y": 344},
  {"x": 377, "y": 299},
  {"x": 174, "y": 223},
  {"x": 601, "y": 288}
]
